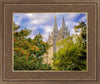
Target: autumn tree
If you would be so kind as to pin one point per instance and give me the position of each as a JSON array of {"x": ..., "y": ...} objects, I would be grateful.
[{"x": 28, "y": 53}]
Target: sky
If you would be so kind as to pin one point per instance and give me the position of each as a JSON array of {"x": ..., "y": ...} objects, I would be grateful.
[{"x": 44, "y": 22}]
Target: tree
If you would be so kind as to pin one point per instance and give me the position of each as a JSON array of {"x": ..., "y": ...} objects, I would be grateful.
[
  {"x": 82, "y": 38},
  {"x": 72, "y": 54},
  {"x": 28, "y": 52},
  {"x": 82, "y": 41}
]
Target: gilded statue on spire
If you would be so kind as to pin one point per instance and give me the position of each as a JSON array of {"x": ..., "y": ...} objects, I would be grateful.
[{"x": 55, "y": 17}]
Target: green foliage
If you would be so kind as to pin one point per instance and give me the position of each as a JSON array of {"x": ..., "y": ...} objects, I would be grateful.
[
  {"x": 28, "y": 52},
  {"x": 72, "y": 54},
  {"x": 82, "y": 38}
]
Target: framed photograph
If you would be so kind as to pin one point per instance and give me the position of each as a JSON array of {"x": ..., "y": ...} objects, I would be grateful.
[
  {"x": 41, "y": 44},
  {"x": 49, "y": 42}
]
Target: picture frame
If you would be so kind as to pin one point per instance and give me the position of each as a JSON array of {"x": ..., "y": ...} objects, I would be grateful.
[{"x": 7, "y": 75}]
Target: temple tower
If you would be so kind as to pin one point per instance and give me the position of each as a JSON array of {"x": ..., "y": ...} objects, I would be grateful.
[
  {"x": 64, "y": 30},
  {"x": 55, "y": 35}
]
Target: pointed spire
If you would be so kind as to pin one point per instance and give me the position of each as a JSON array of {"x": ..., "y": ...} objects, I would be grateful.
[
  {"x": 69, "y": 32},
  {"x": 63, "y": 23},
  {"x": 55, "y": 28},
  {"x": 49, "y": 34},
  {"x": 63, "y": 18},
  {"x": 55, "y": 17},
  {"x": 49, "y": 37}
]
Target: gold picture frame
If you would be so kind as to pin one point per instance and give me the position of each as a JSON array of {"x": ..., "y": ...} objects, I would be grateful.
[{"x": 7, "y": 75}]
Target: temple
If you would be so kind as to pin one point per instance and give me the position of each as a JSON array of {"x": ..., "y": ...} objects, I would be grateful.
[{"x": 55, "y": 36}]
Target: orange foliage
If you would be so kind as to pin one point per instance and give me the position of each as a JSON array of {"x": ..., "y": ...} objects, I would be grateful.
[
  {"x": 37, "y": 49},
  {"x": 23, "y": 42},
  {"x": 34, "y": 46},
  {"x": 28, "y": 53},
  {"x": 22, "y": 52},
  {"x": 26, "y": 57},
  {"x": 36, "y": 40},
  {"x": 28, "y": 44},
  {"x": 15, "y": 40},
  {"x": 33, "y": 49},
  {"x": 46, "y": 42}
]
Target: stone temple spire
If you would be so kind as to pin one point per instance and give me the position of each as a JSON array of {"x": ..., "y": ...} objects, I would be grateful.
[
  {"x": 49, "y": 34},
  {"x": 55, "y": 35},
  {"x": 63, "y": 25},
  {"x": 49, "y": 37},
  {"x": 65, "y": 31},
  {"x": 55, "y": 28}
]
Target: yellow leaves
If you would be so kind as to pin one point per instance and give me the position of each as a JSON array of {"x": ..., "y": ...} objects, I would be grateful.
[
  {"x": 34, "y": 46},
  {"x": 33, "y": 49},
  {"x": 37, "y": 49}
]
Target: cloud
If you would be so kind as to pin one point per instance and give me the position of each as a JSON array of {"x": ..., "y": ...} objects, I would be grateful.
[
  {"x": 72, "y": 16},
  {"x": 38, "y": 19},
  {"x": 45, "y": 33},
  {"x": 83, "y": 19},
  {"x": 17, "y": 18},
  {"x": 71, "y": 25},
  {"x": 47, "y": 29},
  {"x": 43, "y": 22}
]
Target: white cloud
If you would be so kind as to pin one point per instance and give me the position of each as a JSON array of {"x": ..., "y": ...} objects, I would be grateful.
[
  {"x": 83, "y": 19},
  {"x": 36, "y": 21},
  {"x": 72, "y": 16},
  {"x": 30, "y": 15},
  {"x": 33, "y": 31},
  {"x": 18, "y": 20},
  {"x": 73, "y": 32},
  {"x": 47, "y": 29},
  {"x": 33, "y": 28},
  {"x": 71, "y": 25}
]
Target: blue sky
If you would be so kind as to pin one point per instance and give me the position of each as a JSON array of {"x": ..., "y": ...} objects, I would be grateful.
[{"x": 43, "y": 22}]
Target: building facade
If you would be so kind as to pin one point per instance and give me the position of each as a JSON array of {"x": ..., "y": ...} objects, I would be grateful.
[{"x": 55, "y": 36}]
